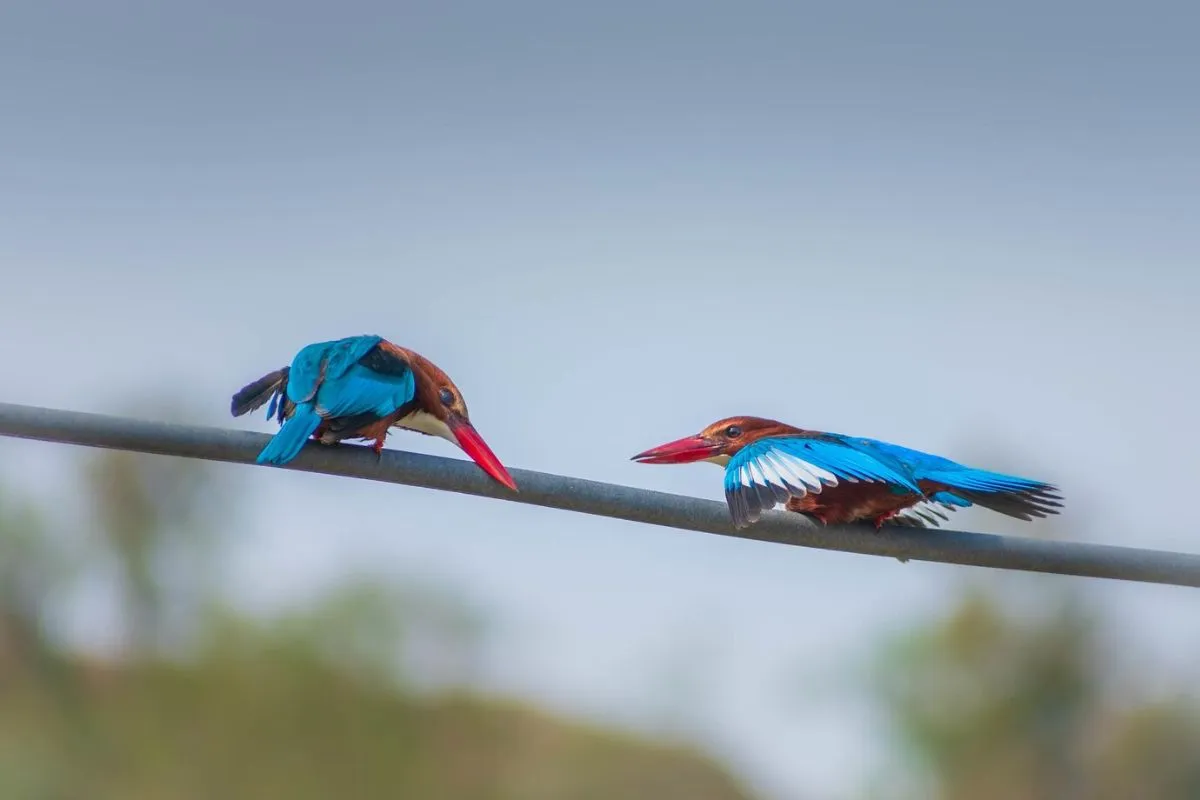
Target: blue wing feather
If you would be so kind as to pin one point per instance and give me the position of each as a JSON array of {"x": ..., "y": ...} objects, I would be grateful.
[
  {"x": 948, "y": 499},
  {"x": 834, "y": 455},
  {"x": 325, "y": 361},
  {"x": 927, "y": 466},
  {"x": 326, "y": 381},
  {"x": 363, "y": 391},
  {"x": 767, "y": 472},
  {"x": 1015, "y": 496}
]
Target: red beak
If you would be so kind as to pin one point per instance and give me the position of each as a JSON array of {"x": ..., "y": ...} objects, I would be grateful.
[
  {"x": 681, "y": 451},
  {"x": 474, "y": 446}
]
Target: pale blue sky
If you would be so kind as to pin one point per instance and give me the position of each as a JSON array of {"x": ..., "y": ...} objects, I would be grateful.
[{"x": 612, "y": 224}]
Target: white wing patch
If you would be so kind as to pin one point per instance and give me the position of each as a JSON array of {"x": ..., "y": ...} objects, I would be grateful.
[
  {"x": 756, "y": 474},
  {"x": 776, "y": 474},
  {"x": 808, "y": 473},
  {"x": 811, "y": 473},
  {"x": 789, "y": 473},
  {"x": 779, "y": 475}
]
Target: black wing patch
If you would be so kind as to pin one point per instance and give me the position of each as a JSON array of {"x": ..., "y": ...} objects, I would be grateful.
[{"x": 384, "y": 361}]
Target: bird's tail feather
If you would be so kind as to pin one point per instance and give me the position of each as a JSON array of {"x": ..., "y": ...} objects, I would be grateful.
[
  {"x": 287, "y": 444},
  {"x": 1010, "y": 495},
  {"x": 253, "y": 395}
]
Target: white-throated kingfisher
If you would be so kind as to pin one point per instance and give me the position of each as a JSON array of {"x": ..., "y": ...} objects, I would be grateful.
[
  {"x": 358, "y": 388},
  {"x": 840, "y": 479}
]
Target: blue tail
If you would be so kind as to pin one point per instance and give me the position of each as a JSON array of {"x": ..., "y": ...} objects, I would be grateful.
[{"x": 287, "y": 444}]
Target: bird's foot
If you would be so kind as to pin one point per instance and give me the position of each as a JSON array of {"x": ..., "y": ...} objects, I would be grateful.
[{"x": 881, "y": 519}]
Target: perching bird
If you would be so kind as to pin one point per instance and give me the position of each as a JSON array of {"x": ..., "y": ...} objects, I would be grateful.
[
  {"x": 840, "y": 479},
  {"x": 358, "y": 388}
]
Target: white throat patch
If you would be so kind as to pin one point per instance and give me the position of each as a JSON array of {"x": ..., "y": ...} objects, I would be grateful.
[{"x": 424, "y": 422}]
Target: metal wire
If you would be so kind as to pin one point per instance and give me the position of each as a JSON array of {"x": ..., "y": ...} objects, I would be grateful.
[{"x": 605, "y": 499}]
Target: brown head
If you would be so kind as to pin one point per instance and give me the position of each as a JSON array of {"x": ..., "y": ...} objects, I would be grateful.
[
  {"x": 717, "y": 443},
  {"x": 441, "y": 411}
]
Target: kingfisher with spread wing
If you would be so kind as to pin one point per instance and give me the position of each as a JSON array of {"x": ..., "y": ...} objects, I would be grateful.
[
  {"x": 840, "y": 479},
  {"x": 358, "y": 388}
]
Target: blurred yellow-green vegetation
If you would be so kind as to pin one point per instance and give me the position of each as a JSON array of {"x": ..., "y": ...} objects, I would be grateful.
[
  {"x": 1014, "y": 694},
  {"x": 995, "y": 700},
  {"x": 201, "y": 702}
]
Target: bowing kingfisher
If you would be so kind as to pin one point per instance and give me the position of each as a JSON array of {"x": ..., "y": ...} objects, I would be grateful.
[
  {"x": 358, "y": 388},
  {"x": 839, "y": 479}
]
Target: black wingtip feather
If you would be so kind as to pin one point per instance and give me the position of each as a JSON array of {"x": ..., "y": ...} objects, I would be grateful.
[
  {"x": 1039, "y": 502},
  {"x": 739, "y": 508},
  {"x": 929, "y": 516},
  {"x": 254, "y": 395},
  {"x": 910, "y": 521}
]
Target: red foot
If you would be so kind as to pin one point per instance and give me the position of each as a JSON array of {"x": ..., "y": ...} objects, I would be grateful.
[
  {"x": 882, "y": 518},
  {"x": 378, "y": 448}
]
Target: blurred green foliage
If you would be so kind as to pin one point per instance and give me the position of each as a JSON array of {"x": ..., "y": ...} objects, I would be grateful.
[
  {"x": 200, "y": 701},
  {"x": 997, "y": 701}
]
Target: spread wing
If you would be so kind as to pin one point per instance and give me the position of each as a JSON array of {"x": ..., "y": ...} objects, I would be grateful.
[
  {"x": 956, "y": 485},
  {"x": 768, "y": 472}
]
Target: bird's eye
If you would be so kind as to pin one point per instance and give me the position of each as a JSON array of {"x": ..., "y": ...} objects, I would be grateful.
[
  {"x": 733, "y": 431},
  {"x": 446, "y": 396}
]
